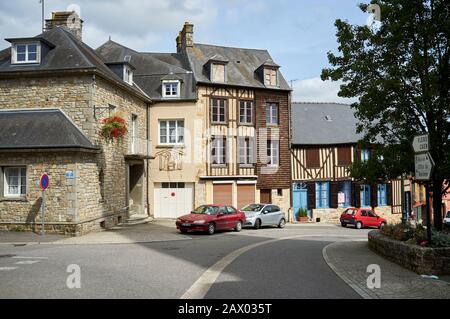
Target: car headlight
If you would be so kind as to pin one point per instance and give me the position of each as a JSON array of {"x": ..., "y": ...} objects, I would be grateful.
[{"x": 199, "y": 221}]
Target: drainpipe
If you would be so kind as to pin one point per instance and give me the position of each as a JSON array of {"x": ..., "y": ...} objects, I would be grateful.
[{"x": 148, "y": 156}]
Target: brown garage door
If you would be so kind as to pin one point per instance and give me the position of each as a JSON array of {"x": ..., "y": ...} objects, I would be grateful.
[
  {"x": 245, "y": 195},
  {"x": 266, "y": 196},
  {"x": 223, "y": 194}
]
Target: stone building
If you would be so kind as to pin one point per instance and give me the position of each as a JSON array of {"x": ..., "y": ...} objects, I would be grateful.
[{"x": 54, "y": 91}]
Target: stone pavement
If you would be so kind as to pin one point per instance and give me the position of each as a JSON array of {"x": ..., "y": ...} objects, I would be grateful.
[{"x": 349, "y": 260}]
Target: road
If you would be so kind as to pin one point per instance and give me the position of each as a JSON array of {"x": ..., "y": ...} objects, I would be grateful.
[{"x": 267, "y": 263}]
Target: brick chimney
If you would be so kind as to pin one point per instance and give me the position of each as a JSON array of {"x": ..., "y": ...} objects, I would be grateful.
[
  {"x": 69, "y": 19},
  {"x": 185, "y": 38}
]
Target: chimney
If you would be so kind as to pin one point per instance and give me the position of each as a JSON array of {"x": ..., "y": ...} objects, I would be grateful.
[
  {"x": 69, "y": 19},
  {"x": 185, "y": 38}
]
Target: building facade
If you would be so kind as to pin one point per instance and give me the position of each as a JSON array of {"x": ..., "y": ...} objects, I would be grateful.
[{"x": 324, "y": 144}]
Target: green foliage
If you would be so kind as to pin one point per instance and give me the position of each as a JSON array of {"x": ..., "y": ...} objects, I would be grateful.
[
  {"x": 302, "y": 212},
  {"x": 440, "y": 239},
  {"x": 416, "y": 235}
]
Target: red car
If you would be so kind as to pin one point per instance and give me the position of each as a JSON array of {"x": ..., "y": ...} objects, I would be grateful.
[
  {"x": 209, "y": 218},
  {"x": 362, "y": 217}
]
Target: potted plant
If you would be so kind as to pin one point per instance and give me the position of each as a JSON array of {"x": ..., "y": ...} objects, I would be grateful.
[
  {"x": 302, "y": 215},
  {"x": 114, "y": 128}
]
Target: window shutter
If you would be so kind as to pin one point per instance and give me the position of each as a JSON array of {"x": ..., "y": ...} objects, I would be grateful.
[
  {"x": 374, "y": 195},
  {"x": 389, "y": 193},
  {"x": 356, "y": 198},
  {"x": 311, "y": 191},
  {"x": 357, "y": 154},
  {"x": 334, "y": 186}
]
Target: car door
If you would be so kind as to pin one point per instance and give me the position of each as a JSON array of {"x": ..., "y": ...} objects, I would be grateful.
[
  {"x": 222, "y": 218},
  {"x": 265, "y": 215},
  {"x": 372, "y": 219},
  {"x": 276, "y": 215},
  {"x": 232, "y": 217},
  {"x": 270, "y": 215},
  {"x": 364, "y": 218}
]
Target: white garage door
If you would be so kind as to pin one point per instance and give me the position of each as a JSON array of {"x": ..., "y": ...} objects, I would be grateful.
[{"x": 173, "y": 199}]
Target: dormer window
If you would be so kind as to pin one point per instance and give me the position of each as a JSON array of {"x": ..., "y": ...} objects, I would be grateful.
[
  {"x": 270, "y": 77},
  {"x": 128, "y": 74},
  {"x": 23, "y": 53},
  {"x": 218, "y": 72},
  {"x": 171, "y": 89}
]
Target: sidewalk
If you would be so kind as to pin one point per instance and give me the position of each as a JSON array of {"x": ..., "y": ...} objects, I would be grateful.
[
  {"x": 349, "y": 260},
  {"x": 161, "y": 230}
]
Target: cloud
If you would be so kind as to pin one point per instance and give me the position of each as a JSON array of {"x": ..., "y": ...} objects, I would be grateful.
[{"x": 316, "y": 90}]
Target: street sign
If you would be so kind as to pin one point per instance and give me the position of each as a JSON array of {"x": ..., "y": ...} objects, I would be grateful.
[
  {"x": 421, "y": 143},
  {"x": 44, "y": 181},
  {"x": 423, "y": 166}
]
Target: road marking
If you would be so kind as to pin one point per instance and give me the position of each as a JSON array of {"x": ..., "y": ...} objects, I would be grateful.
[
  {"x": 203, "y": 284},
  {"x": 25, "y": 257},
  {"x": 26, "y": 262},
  {"x": 7, "y": 268}
]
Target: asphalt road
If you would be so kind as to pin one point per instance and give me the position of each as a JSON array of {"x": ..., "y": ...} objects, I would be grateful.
[{"x": 288, "y": 268}]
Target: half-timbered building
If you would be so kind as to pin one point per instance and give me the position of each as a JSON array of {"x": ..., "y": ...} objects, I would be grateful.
[{"x": 324, "y": 144}]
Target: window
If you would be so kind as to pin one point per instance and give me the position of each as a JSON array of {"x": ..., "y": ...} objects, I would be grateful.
[
  {"x": 218, "y": 110},
  {"x": 365, "y": 154},
  {"x": 382, "y": 195},
  {"x": 171, "y": 132},
  {"x": 365, "y": 195},
  {"x": 312, "y": 158},
  {"x": 26, "y": 53},
  {"x": 344, "y": 156},
  {"x": 15, "y": 181},
  {"x": 171, "y": 89},
  {"x": 246, "y": 112},
  {"x": 345, "y": 194},
  {"x": 172, "y": 185},
  {"x": 231, "y": 210},
  {"x": 323, "y": 195},
  {"x": 270, "y": 77},
  {"x": 273, "y": 153},
  {"x": 218, "y": 150},
  {"x": 218, "y": 72},
  {"x": 246, "y": 151},
  {"x": 127, "y": 74},
  {"x": 272, "y": 114}
]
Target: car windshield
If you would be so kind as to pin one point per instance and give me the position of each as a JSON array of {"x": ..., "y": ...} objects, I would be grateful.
[
  {"x": 252, "y": 208},
  {"x": 350, "y": 211},
  {"x": 204, "y": 209}
]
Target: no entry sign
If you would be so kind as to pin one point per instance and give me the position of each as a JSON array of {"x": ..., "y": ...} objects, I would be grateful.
[{"x": 44, "y": 181}]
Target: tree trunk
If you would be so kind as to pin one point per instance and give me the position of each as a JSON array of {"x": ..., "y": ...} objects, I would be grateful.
[{"x": 437, "y": 203}]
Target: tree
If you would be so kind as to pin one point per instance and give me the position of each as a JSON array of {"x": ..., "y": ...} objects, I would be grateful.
[{"x": 400, "y": 72}]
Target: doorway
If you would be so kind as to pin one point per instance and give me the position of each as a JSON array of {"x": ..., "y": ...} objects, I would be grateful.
[
  {"x": 299, "y": 198},
  {"x": 266, "y": 196},
  {"x": 136, "y": 188}
]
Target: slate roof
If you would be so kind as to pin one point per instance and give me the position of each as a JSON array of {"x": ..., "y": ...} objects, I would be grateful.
[
  {"x": 241, "y": 67},
  {"x": 68, "y": 53},
  {"x": 323, "y": 124},
  {"x": 152, "y": 68},
  {"x": 40, "y": 129}
]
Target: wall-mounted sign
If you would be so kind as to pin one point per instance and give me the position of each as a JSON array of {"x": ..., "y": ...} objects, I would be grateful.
[{"x": 70, "y": 175}]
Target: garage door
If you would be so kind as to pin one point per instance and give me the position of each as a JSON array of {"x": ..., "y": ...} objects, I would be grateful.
[
  {"x": 173, "y": 199},
  {"x": 223, "y": 194},
  {"x": 245, "y": 195}
]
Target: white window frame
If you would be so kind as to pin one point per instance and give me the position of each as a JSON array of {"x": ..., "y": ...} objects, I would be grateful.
[
  {"x": 271, "y": 107},
  {"x": 269, "y": 72},
  {"x": 14, "y": 59},
  {"x": 128, "y": 74},
  {"x": 212, "y": 75},
  {"x": 273, "y": 147},
  {"x": 6, "y": 193},
  {"x": 221, "y": 147},
  {"x": 246, "y": 151},
  {"x": 365, "y": 154},
  {"x": 219, "y": 107},
  {"x": 177, "y": 131},
  {"x": 246, "y": 104},
  {"x": 171, "y": 82}
]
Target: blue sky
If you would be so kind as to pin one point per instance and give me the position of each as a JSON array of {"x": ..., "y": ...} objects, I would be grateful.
[{"x": 298, "y": 34}]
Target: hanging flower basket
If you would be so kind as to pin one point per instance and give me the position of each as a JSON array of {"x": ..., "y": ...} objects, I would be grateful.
[{"x": 114, "y": 128}]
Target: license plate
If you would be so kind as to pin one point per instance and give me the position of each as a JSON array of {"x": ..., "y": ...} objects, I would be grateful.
[{"x": 185, "y": 225}]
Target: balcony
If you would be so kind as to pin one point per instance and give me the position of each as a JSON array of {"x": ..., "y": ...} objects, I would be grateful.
[{"x": 139, "y": 148}]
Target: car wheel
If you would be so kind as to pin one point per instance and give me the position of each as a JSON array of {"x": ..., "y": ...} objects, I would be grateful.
[
  {"x": 382, "y": 225},
  {"x": 359, "y": 225},
  {"x": 238, "y": 227},
  {"x": 282, "y": 223},
  {"x": 343, "y": 224},
  {"x": 257, "y": 224},
  {"x": 211, "y": 229}
]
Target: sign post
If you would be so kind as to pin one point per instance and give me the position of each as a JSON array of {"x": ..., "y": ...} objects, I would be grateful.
[
  {"x": 44, "y": 182},
  {"x": 424, "y": 164}
]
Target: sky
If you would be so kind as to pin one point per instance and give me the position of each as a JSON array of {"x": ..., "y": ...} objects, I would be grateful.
[{"x": 297, "y": 33}]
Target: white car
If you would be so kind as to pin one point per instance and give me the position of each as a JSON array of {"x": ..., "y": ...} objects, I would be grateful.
[
  {"x": 258, "y": 215},
  {"x": 447, "y": 219}
]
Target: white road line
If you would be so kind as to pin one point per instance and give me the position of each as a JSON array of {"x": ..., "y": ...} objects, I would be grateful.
[
  {"x": 7, "y": 268},
  {"x": 31, "y": 257},
  {"x": 201, "y": 286},
  {"x": 26, "y": 262}
]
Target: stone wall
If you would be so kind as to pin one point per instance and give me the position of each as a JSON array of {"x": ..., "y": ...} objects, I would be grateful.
[
  {"x": 332, "y": 215},
  {"x": 429, "y": 261}
]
